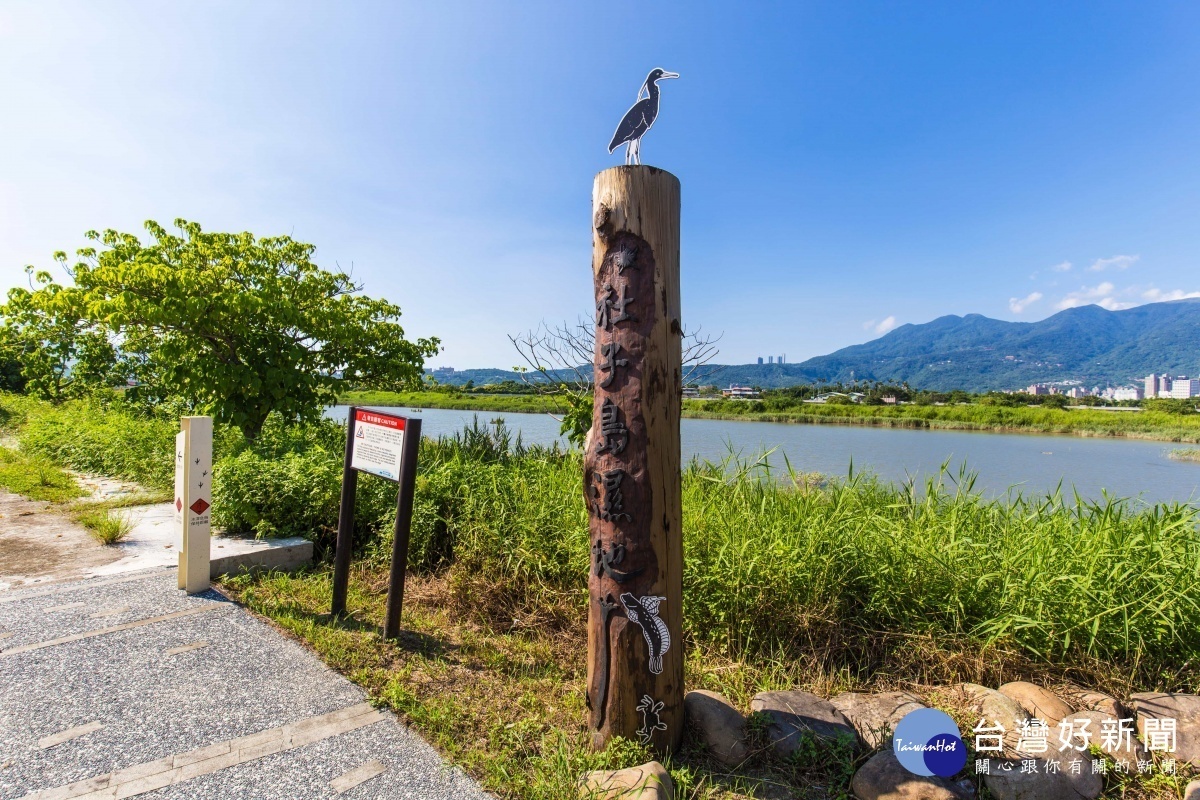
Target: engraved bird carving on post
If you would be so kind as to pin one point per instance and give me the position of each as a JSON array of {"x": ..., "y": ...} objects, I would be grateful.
[{"x": 640, "y": 117}]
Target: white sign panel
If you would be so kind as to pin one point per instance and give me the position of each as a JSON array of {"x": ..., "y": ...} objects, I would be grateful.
[{"x": 378, "y": 441}]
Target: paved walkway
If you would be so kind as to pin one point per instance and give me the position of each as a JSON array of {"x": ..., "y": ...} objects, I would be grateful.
[{"x": 125, "y": 686}]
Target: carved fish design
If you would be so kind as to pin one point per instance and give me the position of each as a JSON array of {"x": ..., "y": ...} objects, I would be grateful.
[{"x": 645, "y": 613}]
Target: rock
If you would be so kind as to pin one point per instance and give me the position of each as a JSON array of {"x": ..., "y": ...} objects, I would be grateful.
[
  {"x": 883, "y": 778},
  {"x": 1192, "y": 792},
  {"x": 647, "y": 782},
  {"x": 1041, "y": 785},
  {"x": 791, "y": 714},
  {"x": 1184, "y": 709},
  {"x": 1099, "y": 701},
  {"x": 990, "y": 707},
  {"x": 1038, "y": 702},
  {"x": 874, "y": 716},
  {"x": 722, "y": 727}
]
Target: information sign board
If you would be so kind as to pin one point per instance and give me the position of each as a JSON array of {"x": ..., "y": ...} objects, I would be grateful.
[{"x": 378, "y": 443}]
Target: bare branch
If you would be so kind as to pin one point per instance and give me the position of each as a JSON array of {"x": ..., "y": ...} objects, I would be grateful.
[
  {"x": 561, "y": 356},
  {"x": 699, "y": 350}
]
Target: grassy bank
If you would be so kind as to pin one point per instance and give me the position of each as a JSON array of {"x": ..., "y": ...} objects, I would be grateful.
[
  {"x": 527, "y": 403},
  {"x": 1078, "y": 421},
  {"x": 1186, "y": 454}
]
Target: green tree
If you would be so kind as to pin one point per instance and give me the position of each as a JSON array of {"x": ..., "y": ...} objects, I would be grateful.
[
  {"x": 238, "y": 326},
  {"x": 48, "y": 346}
]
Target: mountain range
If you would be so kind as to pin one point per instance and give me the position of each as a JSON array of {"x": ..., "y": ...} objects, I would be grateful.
[{"x": 1089, "y": 344}]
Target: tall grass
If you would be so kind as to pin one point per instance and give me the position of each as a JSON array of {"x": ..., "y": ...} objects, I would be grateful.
[{"x": 774, "y": 563}]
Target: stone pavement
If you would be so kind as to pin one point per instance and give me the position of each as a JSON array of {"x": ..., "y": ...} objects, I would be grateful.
[{"x": 125, "y": 686}]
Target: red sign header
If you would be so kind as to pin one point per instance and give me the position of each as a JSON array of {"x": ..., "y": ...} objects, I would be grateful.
[{"x": 374, "y": 418}]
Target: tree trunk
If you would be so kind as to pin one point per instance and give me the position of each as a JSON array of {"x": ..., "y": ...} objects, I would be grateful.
[{"x": 631, "y": 467}]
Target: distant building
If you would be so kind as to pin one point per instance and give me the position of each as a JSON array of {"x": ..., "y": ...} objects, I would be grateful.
[
  {"x": 760, "y": 361},
  {"x": 1128, "y": 393},
  {"x": 739, "y": 392},
  {"x": 782, "y": 359},
  {"x": 1038, "y": 388},
  {"x": 770, "y": 359},
  {"x": 1151, "y": 386},
  {"x": 1075, "y": 392},
  {"x": 692, "y": 393},
  {"x": 1185, "y": 388}
]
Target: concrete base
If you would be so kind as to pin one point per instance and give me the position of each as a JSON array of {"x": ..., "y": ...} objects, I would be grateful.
[
  {"x": 285, "y": 554},
  {"x": 155, "y": 541}
]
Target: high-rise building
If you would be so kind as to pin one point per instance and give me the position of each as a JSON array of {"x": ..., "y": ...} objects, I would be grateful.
[
  {"x": 1164, "y": 385},
  {"x": 782, "y": 359},
  {"x": 770, "y": 359},
  {"x": 1185, "y": 388},
  {"x": 760, "y": 360},
  {"x": 1151, "y": 386}
]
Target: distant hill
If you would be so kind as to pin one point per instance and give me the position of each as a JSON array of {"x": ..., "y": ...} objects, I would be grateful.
[{"x": 976, "y": 353}]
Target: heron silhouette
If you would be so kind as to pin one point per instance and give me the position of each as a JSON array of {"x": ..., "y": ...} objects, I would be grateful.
[{"x": 640, "y": 117}]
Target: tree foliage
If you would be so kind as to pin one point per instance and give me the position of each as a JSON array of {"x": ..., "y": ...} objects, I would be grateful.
[
  {"x": 236, "y": 325},
  {"x": 47, "y": 345}
]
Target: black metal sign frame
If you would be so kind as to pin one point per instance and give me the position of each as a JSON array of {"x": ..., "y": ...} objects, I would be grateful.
[{"x": 406, "y": 478}]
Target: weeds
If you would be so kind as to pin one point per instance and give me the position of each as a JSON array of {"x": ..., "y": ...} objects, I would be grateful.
[{"x": 105, "y": 526}]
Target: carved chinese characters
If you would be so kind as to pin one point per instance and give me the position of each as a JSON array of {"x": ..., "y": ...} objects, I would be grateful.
[
  {"x": 616, "y": 489},
  {"x": 631, "y": 463}
]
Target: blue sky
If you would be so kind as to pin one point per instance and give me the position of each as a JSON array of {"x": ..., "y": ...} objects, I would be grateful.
[{"x": 846, "y": 167}]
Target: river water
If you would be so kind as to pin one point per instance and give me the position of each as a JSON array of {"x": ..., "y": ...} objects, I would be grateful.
[{"x": 1032, "y": 464}]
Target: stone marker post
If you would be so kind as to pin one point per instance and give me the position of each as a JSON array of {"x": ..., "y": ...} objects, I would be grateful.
[
  {"x": 631, "y": 465},
  {"x": 193, "y": 500}
]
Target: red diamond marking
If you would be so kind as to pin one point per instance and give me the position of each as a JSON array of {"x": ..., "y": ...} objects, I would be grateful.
[
  {"x": 178, "y": 504},
  {"x": 199, "y": 507}
]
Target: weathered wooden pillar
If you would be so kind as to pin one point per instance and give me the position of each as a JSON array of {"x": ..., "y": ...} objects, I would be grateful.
[{"x": 631, "y": 467}]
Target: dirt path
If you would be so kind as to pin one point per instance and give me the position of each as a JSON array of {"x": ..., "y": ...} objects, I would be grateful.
[{"x": 39, "y": 543}]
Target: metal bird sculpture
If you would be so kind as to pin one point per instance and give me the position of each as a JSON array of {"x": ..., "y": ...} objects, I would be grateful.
[{"x": 640, "y": 117}]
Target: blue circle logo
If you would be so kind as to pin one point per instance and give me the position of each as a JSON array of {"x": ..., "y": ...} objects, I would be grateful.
[{"x": 928, "y": 743}]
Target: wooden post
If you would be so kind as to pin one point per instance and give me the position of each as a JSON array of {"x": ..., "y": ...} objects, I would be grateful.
[
  {"x": 631, "y": 465},
  {"x": 193, "y": 501},
  {"x": 403, "y": 527}
]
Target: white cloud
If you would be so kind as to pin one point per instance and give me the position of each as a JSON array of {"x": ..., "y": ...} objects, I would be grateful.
[
  {"x": 1063, "y": 267},
  {"x": 1116, "y": 262},
  {"x": 1018, "y": 305},
  {"x": 886, "y": 324},
  {"x": 1102, "y": 295},
  {"x": 1159, "y": 296}
]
